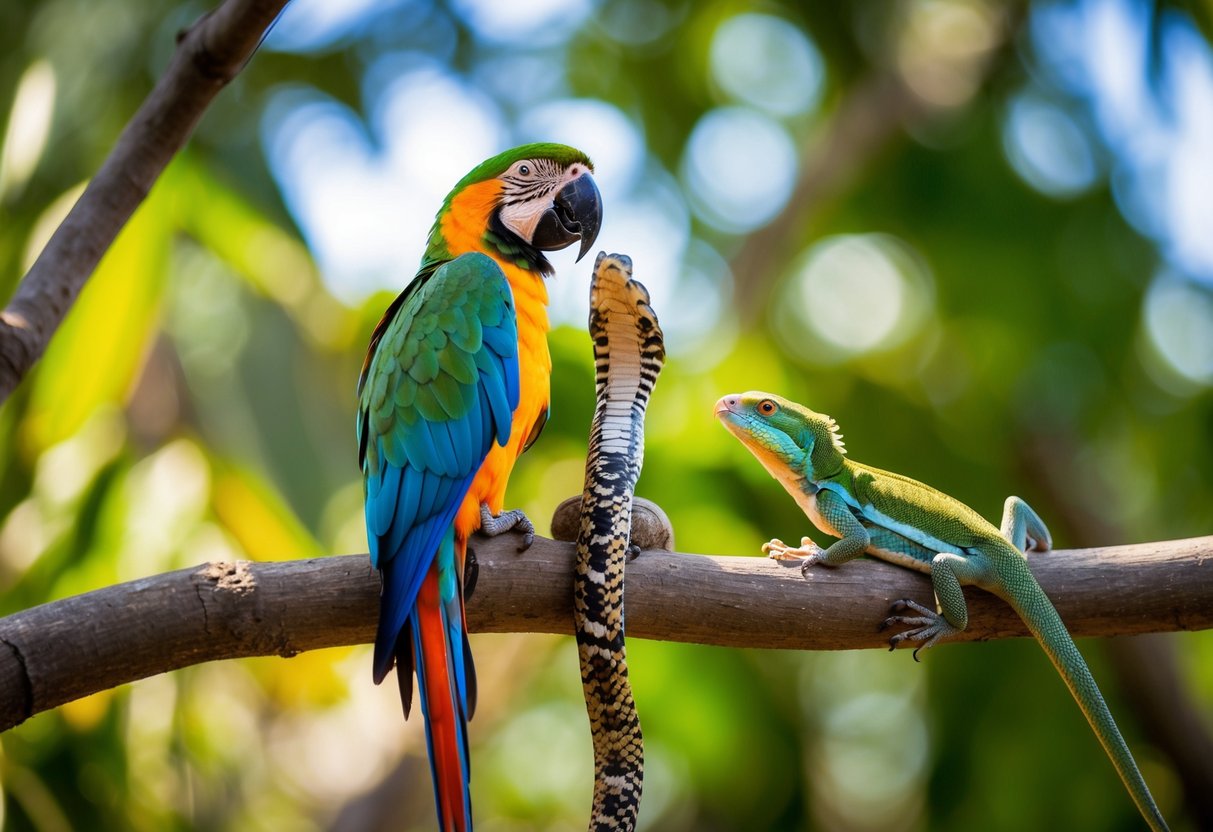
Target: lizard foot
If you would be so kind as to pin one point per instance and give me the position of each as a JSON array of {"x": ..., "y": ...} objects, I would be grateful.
[
  {"x": 513, "y": 519},
  {"x": 929, "y": 627},
  {"x": 807, "y": 553}
]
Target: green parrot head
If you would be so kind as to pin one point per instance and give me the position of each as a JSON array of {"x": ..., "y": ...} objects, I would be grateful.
[
  {"x": 534, "y": 198},
  {"x": 783, "y": 435}
]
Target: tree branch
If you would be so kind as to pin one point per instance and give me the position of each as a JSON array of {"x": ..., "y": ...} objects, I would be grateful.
[
  {"x": 209, "y": 55},
  {"x": 66, "y": 649}
]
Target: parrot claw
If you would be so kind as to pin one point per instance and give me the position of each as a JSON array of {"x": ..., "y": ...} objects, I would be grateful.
[
  {"x": 632, "y": 553},
  {"x": 512, "y": 520}
]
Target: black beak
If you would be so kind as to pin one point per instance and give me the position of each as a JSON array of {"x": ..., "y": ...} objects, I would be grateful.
[{"x": 576, "y": 214}]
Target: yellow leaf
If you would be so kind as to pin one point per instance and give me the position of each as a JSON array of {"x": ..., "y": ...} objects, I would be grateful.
[
  {"x": 85, "y": 714},
  {"x": 258, "y": 518},
  {"x": 98, "y": 352}
]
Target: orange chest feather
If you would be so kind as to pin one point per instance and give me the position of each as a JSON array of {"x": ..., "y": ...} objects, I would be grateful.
[{"x": 463, "y": 227}]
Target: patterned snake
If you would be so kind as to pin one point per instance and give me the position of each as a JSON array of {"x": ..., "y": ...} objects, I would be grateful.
[{"x": 628, "y": 354}]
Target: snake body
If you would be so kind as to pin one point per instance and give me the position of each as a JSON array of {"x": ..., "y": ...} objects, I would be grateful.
[{"x": 628, "y": 355}]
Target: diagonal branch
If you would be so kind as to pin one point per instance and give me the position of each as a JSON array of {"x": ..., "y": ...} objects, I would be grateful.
[
  {"x": 66, "y": 649},
  {"x": 209, "y": 55}
]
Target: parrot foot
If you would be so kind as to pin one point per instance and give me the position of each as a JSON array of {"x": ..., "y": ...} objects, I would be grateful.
[
  {"x": 512, "y": 520},
  {"x": 806, "y": 554},
  {"x": 632, "y": 553},
  {"x": 930, "y": 627}
]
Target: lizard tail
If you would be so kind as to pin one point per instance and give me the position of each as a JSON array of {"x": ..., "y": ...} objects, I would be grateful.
[{"x": 1037, "y": 611}]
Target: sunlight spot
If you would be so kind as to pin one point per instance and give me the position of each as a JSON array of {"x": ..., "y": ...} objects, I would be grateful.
[
  {"x": 943, "y": 46},
  {"x": 67, "y": 469},
  {"x": 366, "y": 201},
  {"x": 345, "y": 206},
  {"x": 601, "y": 130},
  {"x": 531, "y": 22},
  {"x": 29, "y": 126},
  {"x": 518, "y": 79},
  {"x": 767, "y": 62},
  {"x": 1157, "y": 129},
  {"x": 702, "y": 330},
  {"x": 1047, "y": 148},
  {"x": 856, "y": 293},
  {"x": 332, "y": 752},
  {"x": 1179, "y": 323},
  {"x": 23, "y": 538},
  {"x": 306, "y": 25},
  {"x": 740, "y": 167},
  {"x": 166, "y": 495},
  {"x": 435, "y": 128}
]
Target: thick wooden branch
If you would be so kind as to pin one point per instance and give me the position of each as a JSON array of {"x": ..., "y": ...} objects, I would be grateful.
[
  {"x": 209, "y": 55},
  {"x": 66, "y": 649}
]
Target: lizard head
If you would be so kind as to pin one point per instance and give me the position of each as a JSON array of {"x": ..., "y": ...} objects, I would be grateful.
[{"x": 783, "y": 434}]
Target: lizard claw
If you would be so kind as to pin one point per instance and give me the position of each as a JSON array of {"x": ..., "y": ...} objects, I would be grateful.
[
  {"x": 928, "y": 626},
  {"x": 514, "y": 519},
  {"x": 807, "y": 554},
  {"x": 775, "y": 549}
]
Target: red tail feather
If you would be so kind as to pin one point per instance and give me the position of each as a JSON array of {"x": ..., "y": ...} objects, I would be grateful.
[{"x": 444, "y": 722}]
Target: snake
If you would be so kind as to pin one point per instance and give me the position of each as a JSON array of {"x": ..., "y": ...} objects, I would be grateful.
[{"x": 629, "y": 351}]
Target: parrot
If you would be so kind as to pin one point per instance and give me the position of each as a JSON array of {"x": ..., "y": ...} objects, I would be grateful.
[{"x": 454, "y": 388}]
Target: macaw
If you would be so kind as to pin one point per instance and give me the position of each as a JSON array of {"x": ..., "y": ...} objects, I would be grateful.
[{"x": 455, "y": 386}]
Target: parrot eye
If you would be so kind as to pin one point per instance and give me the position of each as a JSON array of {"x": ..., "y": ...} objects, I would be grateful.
[
  {"x": 525, "y": 170},
  {"x": 766, "y": 407}
]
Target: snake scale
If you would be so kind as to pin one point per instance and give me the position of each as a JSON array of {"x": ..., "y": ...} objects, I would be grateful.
[{"x": 628, "y": 355}]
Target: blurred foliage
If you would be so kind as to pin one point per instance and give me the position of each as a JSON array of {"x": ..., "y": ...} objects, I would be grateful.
[{"x": 981, "y": 305}]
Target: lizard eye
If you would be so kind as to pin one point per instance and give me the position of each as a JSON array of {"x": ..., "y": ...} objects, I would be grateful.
[{"x": 766, "y": 407}]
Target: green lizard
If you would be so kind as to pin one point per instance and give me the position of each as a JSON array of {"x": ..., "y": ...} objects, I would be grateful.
[{"x": 910, "y": 524}]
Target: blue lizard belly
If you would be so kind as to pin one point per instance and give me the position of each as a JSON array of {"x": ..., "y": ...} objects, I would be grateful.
[
  {"x": 892, "y": 541},
  {"x": 894, "y": 548}
]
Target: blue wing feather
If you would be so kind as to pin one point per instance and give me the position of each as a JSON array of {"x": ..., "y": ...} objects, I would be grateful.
[
  {"x": 384, "y": 500},
  {"x": 402, "y": 577},
  {"x": 498, "y": 395},
  {"x": 444, "y": 444},
  {"x": 419, "y": 470}
]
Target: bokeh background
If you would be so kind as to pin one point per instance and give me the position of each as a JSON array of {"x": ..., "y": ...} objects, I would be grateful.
[{"x": 980, "y": 234}]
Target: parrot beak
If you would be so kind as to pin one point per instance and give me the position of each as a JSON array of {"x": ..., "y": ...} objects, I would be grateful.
[{"x": 576, "y": 214}]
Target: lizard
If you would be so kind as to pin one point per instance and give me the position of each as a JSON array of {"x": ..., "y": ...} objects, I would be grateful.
[{"x": 907, "y": 523}]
